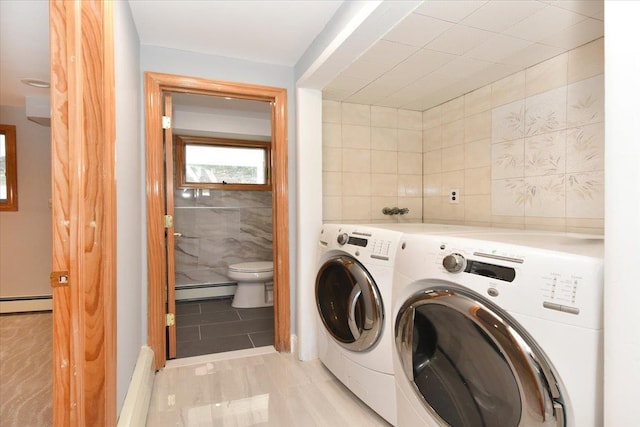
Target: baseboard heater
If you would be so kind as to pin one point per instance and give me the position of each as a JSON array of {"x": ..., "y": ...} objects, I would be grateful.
[
  {"x": 204, "y": 291},
  {"x": 136, "y": 403},
  {"x": 26, "y": 304}
]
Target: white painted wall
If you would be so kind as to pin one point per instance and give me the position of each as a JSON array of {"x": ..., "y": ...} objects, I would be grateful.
[
  {"x": 222, "y": 125},
  {"x": 25, "y": 234},
  {"x": 622, "y": 213},
  {"x": 172, "y": 61},
  {"x": 131, "y": 225}
]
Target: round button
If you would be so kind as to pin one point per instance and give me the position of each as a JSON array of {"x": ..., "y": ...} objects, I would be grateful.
[
  {"x": 453, "y": 263},
  {"x": 343, "y": 238}
]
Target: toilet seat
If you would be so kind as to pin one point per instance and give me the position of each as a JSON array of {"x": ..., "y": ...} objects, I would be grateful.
[{"x": 252, "y": 267}]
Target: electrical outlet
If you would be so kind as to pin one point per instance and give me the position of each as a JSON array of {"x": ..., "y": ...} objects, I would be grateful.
[{"x": 454, "y": 195}]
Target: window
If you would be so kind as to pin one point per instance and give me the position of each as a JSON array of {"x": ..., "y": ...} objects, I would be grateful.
[
  {"x": 228, "y": 164},
  {"x": 8, "y": 169}
]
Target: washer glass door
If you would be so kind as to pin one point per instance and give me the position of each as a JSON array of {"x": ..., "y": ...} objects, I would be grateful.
[
  {"x": 349, "y": 303},
  {"x": 473, "y": 366}
]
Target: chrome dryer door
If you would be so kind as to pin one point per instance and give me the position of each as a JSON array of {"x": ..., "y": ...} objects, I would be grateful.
[
  {"x": 472, "y": 364},
  {"x": 349, "y": 303}
]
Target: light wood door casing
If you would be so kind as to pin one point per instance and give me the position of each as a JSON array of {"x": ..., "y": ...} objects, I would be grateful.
[
  {"x": 155, "y": 85},
  {"x": 169, "y": 231},
  {"x": 84, "y": 215}
]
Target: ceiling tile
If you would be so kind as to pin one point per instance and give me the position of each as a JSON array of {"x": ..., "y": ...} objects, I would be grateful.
[
  {"x": 532, "y": 55},
  {"x": 590, "y": 8},
  {"x": 459, "y": 39},
  {"x": 367, "y": 69},
  {"x": 420, "y": 64},
  {"x": 347, "y": 84},
  {"x": 417, "y": 30},
  {"x": 547, "y": 21},
  {"x": 497, "y": 16},
  {"x": 576, "y": 35},
  {"x": 447, "y": 10},
  {"x": 463, "y": 67},
  {"x": 388, "y": 52},
  {"x": 497, "y": 48}
]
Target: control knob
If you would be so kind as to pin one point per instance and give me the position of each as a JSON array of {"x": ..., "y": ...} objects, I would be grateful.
[
  {"x": 453, "y": 263},
  {"x": 342, "y": 238}
]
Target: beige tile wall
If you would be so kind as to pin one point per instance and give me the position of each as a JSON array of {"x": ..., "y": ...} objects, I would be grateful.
[
  {"x": 372, "y": 158},
  {"x": 524, "y": 152}
]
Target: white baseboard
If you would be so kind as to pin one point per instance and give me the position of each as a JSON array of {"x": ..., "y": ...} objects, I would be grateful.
[
  {"x": 136, "y": 403},
  {"x": 294, "y": 346},
  {"x": 26, "y": 304}
]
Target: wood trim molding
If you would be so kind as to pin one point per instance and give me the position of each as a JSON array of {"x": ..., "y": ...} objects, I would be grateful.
[
  {"x": 84, "y": 228},
  {"x": 155, "y": 85}
]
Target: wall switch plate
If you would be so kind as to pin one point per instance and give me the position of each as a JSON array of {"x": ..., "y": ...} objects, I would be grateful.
[{"x": 454, "y": 195}]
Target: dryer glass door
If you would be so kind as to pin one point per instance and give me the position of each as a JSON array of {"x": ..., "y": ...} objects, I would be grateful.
[
  {"x": 349, "y": 303},
  {"x": 472, "y": 366}
]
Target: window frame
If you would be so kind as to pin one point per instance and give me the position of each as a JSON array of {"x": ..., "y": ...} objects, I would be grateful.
[
  {"x": 181, "y": 141},
  {"x": 11, "y": 202}
]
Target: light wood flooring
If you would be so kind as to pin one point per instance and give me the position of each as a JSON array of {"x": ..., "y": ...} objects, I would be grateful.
[
  {"x": 257, "y": 387},
  {"x": 26, "y": 379}
]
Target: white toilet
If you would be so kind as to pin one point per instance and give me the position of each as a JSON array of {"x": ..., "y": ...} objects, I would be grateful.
[{"x": 255, "y": 284}]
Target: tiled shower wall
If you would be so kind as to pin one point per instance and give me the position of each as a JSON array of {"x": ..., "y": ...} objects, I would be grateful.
[
  {"x": 372, "y": 159},
  {"x": 220, "y": 228},
  {"x": 524, "y": 152}
]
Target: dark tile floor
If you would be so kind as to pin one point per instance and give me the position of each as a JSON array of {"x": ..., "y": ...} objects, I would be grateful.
[{"x": 213, "y": 326}]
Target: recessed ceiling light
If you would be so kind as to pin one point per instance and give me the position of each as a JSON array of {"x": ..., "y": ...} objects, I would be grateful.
[{"x": 35, "y": 83}]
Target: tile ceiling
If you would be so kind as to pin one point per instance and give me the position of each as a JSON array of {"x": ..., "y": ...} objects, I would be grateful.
[{"x": 447, "y": 48}]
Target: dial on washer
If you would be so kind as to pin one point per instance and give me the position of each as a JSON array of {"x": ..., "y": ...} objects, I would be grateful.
[{"x": 453, "y": 263}]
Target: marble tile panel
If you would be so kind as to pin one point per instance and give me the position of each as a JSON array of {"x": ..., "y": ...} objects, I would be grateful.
[
  {"x": 356, "y": 114},
  {"x": 186, "y": 252},
  {"x": 508, "y": 122},
  {"x": 585, "y": 148},
  {"x": 235, "y": 199},
  {"x": 545, "y": 154},
  {"x": 409, "y": 163},
  {"x": 507, "y": 159},
  {"x": 586, "y": 61},
  {"x": 385, "y": 139},
  {"x": 384, "y": 117},
  {"x": 220, "y": 252},
  {"x": 477, "y": 153},
  {"x": 432, "y": 162},
  {"x": 331, "y": 112},
  {"x": 331, "y": 183},
  {"x": 355, "y": 136},
  {"x": 546, "y": 112},
  {"x": 216, "y": 223},
  {"x": 410, "y": 120},
  {"x": 508, "y": 89},
  {"x": 585, "y": 101},
  {"x": 184, "y": 221},
  {"x": 545, "y": 196},
  {"x": 331, "y": 159},
  {"x": 585, "y": 195},
  {"x": 384, "y": 162},
  {"x": 508, "y": 197},
  {"x": 409, "y": 141},
  {"x": 432, "y": 117},
  {"x": 432, "y": 139},
  {"x": 331, "y": 135}
]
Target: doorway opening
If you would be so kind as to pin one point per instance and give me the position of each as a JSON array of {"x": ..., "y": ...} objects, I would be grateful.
[{"x": 164, "y": 218}]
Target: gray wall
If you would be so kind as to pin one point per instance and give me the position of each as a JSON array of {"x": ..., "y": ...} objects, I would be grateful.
[{"x": 131, "y": 225}]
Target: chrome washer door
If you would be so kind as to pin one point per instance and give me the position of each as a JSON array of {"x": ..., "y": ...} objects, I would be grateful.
[
  {"x": 349, "y": 303},
  {"x": 471, "y": 364}
]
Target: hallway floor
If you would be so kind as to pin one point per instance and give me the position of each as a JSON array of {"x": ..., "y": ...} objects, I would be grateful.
[
  {"x": 257, "y": 387},
  {"x": 213, "y": 326}
]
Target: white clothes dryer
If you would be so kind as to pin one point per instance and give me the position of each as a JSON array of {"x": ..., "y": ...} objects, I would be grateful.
[
  {"x": 499, "y": 329},
  {"x": 353, "y": 298}
]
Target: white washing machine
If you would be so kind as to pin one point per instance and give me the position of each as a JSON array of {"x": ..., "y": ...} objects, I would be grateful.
[
  {"x": 499, "y": 329},
  {"x": 353, "y": 297}
]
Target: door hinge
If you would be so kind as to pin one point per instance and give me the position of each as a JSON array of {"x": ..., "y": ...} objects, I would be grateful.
[
  {"x": 168, "y": 221},
  {"x": 59, "y": 279},
  {"x": 171, "y": 319},
  {"x": 166, "y": 122}
]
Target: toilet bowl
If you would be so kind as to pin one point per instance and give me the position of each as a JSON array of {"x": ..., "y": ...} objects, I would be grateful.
[{"x": 255, "y": 284}]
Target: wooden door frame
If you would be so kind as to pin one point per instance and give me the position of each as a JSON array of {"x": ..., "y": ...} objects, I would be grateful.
[
  {"x": 83, "y": 212},
  {"x": 155, "y": 85}
]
